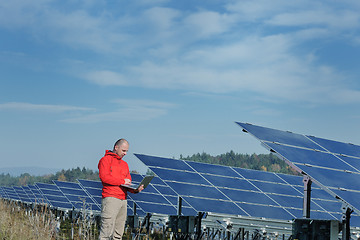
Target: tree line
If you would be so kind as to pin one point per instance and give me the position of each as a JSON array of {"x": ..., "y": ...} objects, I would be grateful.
[{"x": 263, "y": 162}]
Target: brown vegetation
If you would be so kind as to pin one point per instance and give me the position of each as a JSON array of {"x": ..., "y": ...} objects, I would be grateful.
[{"x": 17, "y": 223}]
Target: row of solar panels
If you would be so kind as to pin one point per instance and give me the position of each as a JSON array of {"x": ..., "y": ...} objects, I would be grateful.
[
  {"x": 203, "y": 188},
  {"x": 333, "y": 165},
  {"x": 229, "y": 190},
  {"x": 80, "y": 195},
  {"x": 242, "y": 192}
]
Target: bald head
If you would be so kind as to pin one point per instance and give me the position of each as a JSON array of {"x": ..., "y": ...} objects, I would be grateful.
[{"x": 120, "y": 142}]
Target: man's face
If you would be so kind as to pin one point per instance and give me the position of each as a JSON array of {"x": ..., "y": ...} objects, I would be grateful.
[{"x": 122, "y": 149}]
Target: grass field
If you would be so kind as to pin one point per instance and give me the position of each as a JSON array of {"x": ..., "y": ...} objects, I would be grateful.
[
  {"x": 20, "y": 223},
  {"x": 17, "y": 223}
]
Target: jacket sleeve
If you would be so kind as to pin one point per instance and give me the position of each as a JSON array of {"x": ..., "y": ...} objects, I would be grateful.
[{"x": 105, "y": 173}]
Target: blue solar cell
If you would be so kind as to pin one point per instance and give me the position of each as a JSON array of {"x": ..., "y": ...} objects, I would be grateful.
[
  {"x": 97, "y": 199},
  {"x": 212, "y": 205},
  {"x": 90, "y": 183},
  {"x": 47, "y": 186},
  {"x": 355, "y": 221},
  {"x": 46, "y": 192},
  {"x": 163, "y": 162},
  {"x": 149, "y": 197},
  {"x": 354, "y": 162},
  {"x": 288, "y": 201},
  {"x": 291, "y": 179},
  {"x": 266, "y": 211},
  {"x": 72, "y": 185},
  {"x": 258, "y": 175},
  {"x": 273, "y": 135},
  {"x": 230, "y": 182},
  {"x": 304, "y": 156},
  {"x": 157, "y": 208},
  {"x": 174, "y": 201},
  {"x": 185, "y": 177},
  {"x": 330, "y": 206},
  {"x": 197, "y": 191},
  {"x": 22, "y": 194},
  {"x": 81, "y": 199},
  {"x": 187, "y": 211},
  {"x": 351, "y": 197},
  {"x": 157, "y": 181},
  {"x": 11, "y": 193},
  {"x": 150, "y": 189},
  {"x": 213, "y": 169},
  {"x": 338, "y": 147},
  {"x": 297, "y": 213},
  {"x": 64, "y": 205},
  {"x": 38, "y": 195},
  {"x": 248, "y": 197},
  {"x": 58, "y": 198},
  {"x": 77, "y": 192},
  {"x": 317, "y": 193},
  {"x": 94, "y": 192},
  {"x": 276, "y": 188},
  {"x": 165, "y": 190},
  {"x": 321, "y": 215}
]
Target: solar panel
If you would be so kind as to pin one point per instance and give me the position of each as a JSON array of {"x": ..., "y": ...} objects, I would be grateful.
[
  {"x": 11, "y": 193},
  {"x": 54, "y": 196},
  {"x": 29, "y": 193},
  {"x": 149, "y": 200},
  {"x": 39, "y": 198},
  {"x": 22, "y": 194},
  {"x": 94, "y": 190},
  {"x": 332, "y": 165},
  {"x": 2, "y": 193},
  {"x": 229, "y": 190},
  {"x": 78, "y": 197}
]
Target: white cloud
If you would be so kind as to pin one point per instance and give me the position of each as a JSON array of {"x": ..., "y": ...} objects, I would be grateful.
[
  {"x": 201, "y": 50},
  {"x": 22, "y": 106},
  {"x": 321, "y": 17},
  {"x": 207, "y": 23},
  {"x": 106, "y": 78},
  {"x": 143, "y": 103},
  {"x": 127, "y": 110}
]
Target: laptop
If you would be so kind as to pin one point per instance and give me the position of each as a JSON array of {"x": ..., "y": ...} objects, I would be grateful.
[{"x": 146, "y": 180}]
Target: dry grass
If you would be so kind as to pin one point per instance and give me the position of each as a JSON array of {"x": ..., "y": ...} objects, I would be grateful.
[{"x": 17, "y": 223}]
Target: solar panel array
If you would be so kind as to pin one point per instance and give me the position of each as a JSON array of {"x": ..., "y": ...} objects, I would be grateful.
[
  {"x": 82, "y": 195},
  {"x": 333, "y": 165},
  {"x": 238, "y": 191},
  {"x": 211, "y": 188}
]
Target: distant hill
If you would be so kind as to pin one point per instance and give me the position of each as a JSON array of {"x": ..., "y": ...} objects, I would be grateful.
[{"x": 33, "y": 171}]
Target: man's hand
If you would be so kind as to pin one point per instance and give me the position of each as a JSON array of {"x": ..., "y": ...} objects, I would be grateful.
[
  {"x": 127, "y": 181},
  {"x": 139, "y": 189}
]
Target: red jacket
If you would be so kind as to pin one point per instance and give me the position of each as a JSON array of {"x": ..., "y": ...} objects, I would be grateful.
[{"x": 112, "y": 172}]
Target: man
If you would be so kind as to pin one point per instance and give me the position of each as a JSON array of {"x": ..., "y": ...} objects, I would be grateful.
[{"x": 113, "y": 172}]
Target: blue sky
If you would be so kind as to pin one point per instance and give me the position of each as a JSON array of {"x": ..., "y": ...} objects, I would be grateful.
[{"x": 172, "y": 77}]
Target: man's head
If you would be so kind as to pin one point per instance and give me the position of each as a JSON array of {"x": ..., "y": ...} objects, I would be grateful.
[{"x": 121, "y": 147}]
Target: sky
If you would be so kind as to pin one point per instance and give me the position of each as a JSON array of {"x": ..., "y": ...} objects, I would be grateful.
[{"x": 172, "y": 77}]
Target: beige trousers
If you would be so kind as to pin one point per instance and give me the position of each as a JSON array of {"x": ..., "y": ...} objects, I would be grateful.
[{"x": 113, "y": 218}]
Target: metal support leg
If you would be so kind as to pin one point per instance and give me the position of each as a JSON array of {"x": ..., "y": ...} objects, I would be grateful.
[
  {"x": 307, "y": 197},
  {"x": 346, "y": 222}
]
